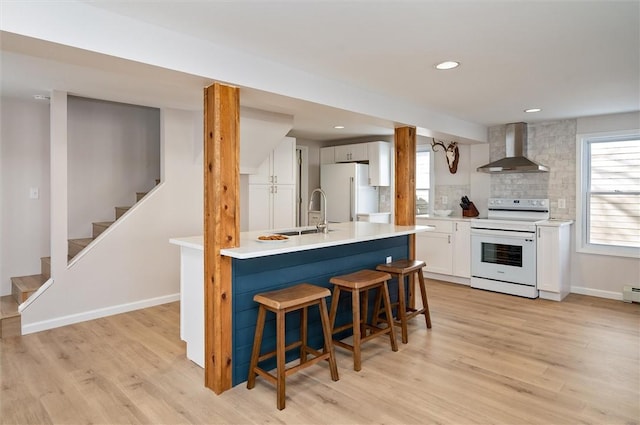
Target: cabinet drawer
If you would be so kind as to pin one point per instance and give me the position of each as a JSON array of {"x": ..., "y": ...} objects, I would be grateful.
[{"x": 443, "y": 226}]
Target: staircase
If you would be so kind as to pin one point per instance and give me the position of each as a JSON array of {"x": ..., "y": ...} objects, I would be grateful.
[{"x": 22, "y": 287}]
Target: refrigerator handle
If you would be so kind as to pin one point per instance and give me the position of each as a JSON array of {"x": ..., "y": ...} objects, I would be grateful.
[{"x": 351, "y": 191}]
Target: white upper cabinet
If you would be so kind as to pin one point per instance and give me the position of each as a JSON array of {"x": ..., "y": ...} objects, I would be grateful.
[
  {"x": 272, "y": 191},
  {"x": 279, "y": 167},
  {"x": 377, "y": 154},
  {"x": 351, "y": 153},
  {"x": 327, "y": 155},
  {"x": 379, "y": 163}
]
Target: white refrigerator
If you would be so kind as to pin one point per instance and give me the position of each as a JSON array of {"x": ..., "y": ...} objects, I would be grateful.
[{"x": 348, "y": 193}]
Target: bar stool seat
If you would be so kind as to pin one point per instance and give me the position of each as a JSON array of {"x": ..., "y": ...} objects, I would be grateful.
[
  {"x": 401, "y": 269},
  {"x": 280, "y": 302},
  {"x": 358, "y": 283}
]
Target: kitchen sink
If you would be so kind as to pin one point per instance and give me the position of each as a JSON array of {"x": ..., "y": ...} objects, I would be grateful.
[{"x": 300, "y": 232}]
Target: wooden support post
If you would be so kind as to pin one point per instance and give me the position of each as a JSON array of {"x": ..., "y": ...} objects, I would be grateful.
[
  {"x": 405, "y": 205},
  {"x": 405, "y": 166},
  {"x": 221, "y": 227}
]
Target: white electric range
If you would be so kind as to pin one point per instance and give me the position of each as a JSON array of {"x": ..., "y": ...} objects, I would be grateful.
[{"x": 503, "y": 246}]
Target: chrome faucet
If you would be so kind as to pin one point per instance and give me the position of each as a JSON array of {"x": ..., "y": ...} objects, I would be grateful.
[{"x": 322, "y": 227}]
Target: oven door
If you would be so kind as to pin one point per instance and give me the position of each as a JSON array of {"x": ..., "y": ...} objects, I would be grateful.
[{"x": 505, "y": 256}]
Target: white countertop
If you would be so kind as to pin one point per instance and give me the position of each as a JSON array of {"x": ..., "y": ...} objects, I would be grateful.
[
  {"x": 555, "y": 222},
  {"x": 339, "y": 234},
  {"x": 443, "y": 217}
]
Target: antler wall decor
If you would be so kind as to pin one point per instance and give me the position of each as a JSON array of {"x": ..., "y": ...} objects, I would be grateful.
[{"x": 452, "y": 155}]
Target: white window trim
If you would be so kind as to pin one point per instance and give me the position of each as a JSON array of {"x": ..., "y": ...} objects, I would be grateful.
[
  {"x": 582, "y": 245},
  {"x": 432, "y": 185}
]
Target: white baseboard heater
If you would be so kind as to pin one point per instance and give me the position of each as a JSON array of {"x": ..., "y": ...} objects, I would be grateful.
[{"x": 631, "y": 294}]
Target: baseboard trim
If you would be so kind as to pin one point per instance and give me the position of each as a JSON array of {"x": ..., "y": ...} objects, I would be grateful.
[
  {"x": 96, "y": 314},
  {"x": 447, "y": 278},
  {"x": 596, "y": 293}
]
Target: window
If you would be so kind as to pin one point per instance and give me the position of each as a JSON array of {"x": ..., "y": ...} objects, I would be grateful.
[
  {"x": 423, "y": 180},
  {"x": 609, "y": 197}
]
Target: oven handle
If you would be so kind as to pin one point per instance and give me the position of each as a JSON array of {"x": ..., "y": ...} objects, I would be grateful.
[{"x": 504, "y": 233}]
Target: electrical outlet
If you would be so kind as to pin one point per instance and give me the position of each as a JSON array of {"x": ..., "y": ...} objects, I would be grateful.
[
  {"x": 388, "y": 259},
  {"x": 562, "y": 203},
  {"x": 445, "y": 200}
]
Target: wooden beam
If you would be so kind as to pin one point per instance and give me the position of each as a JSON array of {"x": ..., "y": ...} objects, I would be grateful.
[
  {"x": 405, "y": 166},
  {"x": 405, "y": 177},
  {"x": 221, "y": 227}
]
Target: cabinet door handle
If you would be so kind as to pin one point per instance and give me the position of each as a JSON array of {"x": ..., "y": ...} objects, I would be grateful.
[
  {"x": 538, "y": 232},
  {"x": 275, "y": 179},
  {"x": 448, "y": 238},
  {"x": 456, "y": 227},
  {"x": 275, "y": 189}
]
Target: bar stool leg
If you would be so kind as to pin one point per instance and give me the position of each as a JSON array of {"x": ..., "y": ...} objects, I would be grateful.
[
  {"x": 425, "y": 302},
  {"x": 303, "y": 334},
  {"x": 377, "y": 305},
  {"x": 257, "y": 340},
  {"x": 328, "y": 343},
  {"x": 387, "y": 309},
  {"x": 355, "y": 306},
  {"x": 334, "y": 307},
  {"x": 402, "y": 309},
  {"x": 280, "y": 361},
  {"x": 364, "y": 312}
]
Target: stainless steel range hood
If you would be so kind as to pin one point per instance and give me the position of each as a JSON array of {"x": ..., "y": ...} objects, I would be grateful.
[{"x": 515, "y": 160}]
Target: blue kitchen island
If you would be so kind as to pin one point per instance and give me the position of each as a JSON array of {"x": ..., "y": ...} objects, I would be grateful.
[{"x": 259, "y": 266}]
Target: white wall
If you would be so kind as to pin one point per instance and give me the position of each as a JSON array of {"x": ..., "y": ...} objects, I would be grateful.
[
  {"x": 480, "y": 183},
  {"x": 113, "y": 152},
  {"x": 465, "y": 182},
  {"x": 313, "y": 148},
  {"x": 134, "y": 265},
  {"x": 24, "y": 164}
]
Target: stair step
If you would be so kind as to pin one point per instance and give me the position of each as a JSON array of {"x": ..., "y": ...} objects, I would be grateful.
[
  {"x": 120, "y": 211},
  {"x": 77, "y": 245},
  {"x": 10, "y": 322},
  {"x": 140, "y": 195},
  {"x": 99, "y": 227},
  {"x": 23, "y": 286},
  {"x": 45, "y": 266}
]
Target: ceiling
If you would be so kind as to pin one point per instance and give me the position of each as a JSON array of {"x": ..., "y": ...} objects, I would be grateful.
[{"x": 570, "y": 58}]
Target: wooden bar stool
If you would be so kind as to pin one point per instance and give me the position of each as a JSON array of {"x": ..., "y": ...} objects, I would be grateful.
[
  {"x": 401, "y": 269},
  {"x": 355, "y": 283},
  {"x": 281, "y": 302}
]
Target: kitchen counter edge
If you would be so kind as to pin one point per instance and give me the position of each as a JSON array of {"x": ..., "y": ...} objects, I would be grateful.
[{"x": 340, "y": 234}]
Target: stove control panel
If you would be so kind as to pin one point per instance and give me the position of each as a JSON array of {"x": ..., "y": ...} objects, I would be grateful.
[{"x": 518, "y": 204}]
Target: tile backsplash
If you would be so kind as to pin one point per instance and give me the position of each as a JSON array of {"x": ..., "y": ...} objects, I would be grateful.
[
  {"x": 549, "y": 143},
  {"x": 384, "y": 198},
  {"x": 453, "y": 193}
]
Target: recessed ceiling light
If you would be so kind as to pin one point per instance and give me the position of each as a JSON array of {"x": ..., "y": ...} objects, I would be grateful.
[
  {"x": 447, "y": 65},
  {"x": 40, "y": 97},
  {"x": 533, "y": 110},
  {"x": 338, "y": 127}
]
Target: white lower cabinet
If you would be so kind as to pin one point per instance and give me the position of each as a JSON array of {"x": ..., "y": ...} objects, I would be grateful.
[
  {"x": 446, "y": 250},
  {"x": 272, "y": 206},
  {"x": 462, "y": 248},
  {"x": 553, "y": 246},
  {"x": 436, "y": 250}
]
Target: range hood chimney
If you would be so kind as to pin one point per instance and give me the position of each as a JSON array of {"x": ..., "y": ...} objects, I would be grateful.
[{"x": 515, "y": 160}]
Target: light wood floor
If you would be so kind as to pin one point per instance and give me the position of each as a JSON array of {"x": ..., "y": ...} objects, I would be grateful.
[{"x": 489, "y": 358}]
